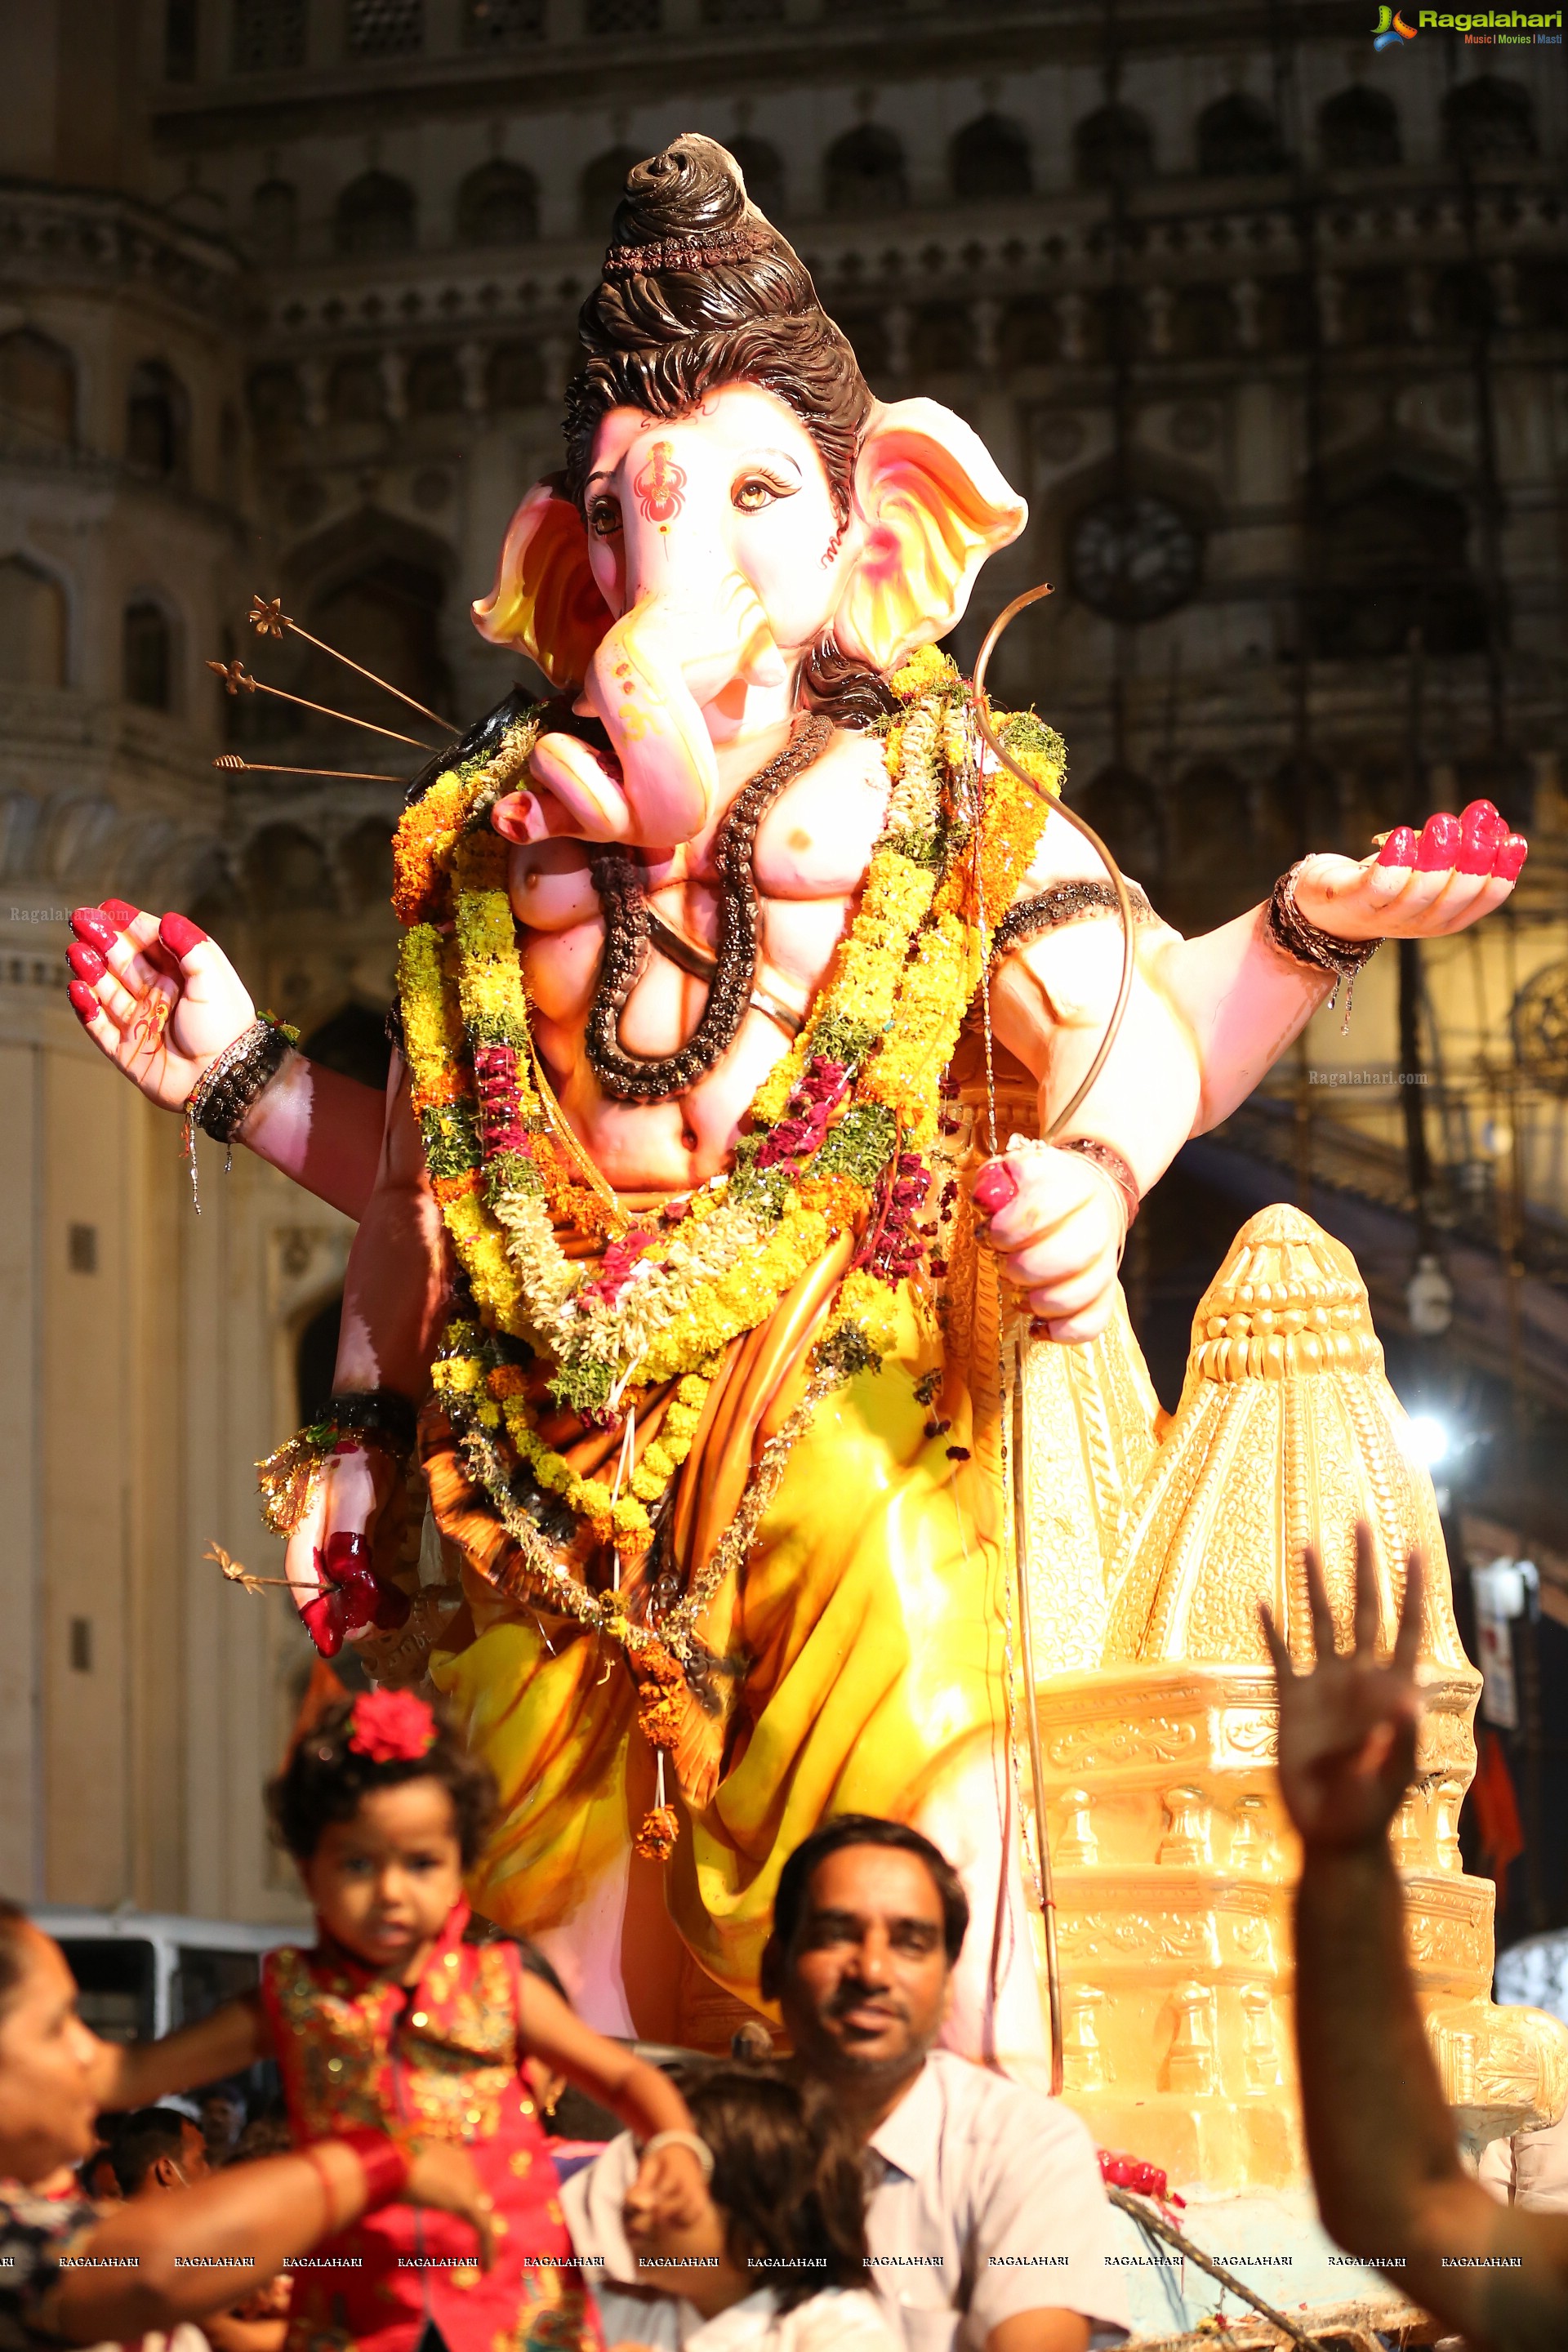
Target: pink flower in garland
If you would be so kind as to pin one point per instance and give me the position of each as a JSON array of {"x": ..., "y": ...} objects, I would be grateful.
[
  {"x": 619, "y": 1263},
  {"x": 392, "y": 1727},
  {"x": 501, "y": 1114},
  {"x": 794, "y": 1138}
]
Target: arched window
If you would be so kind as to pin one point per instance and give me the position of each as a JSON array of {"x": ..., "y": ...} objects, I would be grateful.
[
  {"x": 1489, "y": 121},
  {"x": 37, "y": 391},
  {"x": 515, "y": 377},
  {"x": 272, "y": 394},
  {"x": 32, "y": 626},
  {"x": 1123, "y": 810},
  {"x": 385, "y": 616},
  {"x": 157, "y": 421},
  {"x": 599, "y": 190},
  {"x": 1113, "y": 147},
  {"x": 1359, "y": 130},
  {"x": 498, "y": 205},
  {"x": 762, "y": 168},
  {"x": 866, "y": 173},
  {"x": 1238, "y": 140},
  {"x": 434, "y": 382},
  {"x": 990, "y": 160},
  {"x": 1395, "y": 557},
  {"x": 149, "y": 656},
  {"x": 286, "y": 873},
  {"x": 356, "y": 394},
  {"x": 274, "y": 220},
  {"x": 353, "y": 1041},
  {"x": 375, "y": 215}
]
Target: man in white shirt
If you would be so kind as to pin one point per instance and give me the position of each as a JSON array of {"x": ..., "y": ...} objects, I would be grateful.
[{"x": 986, "y": 2219}]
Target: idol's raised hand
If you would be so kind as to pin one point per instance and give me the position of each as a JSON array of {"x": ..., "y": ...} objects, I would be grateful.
[
  {"x": 158, "y": 998},
  {"x": 1419, "y": 885},
  {"x": 1347, "y": 1725}
]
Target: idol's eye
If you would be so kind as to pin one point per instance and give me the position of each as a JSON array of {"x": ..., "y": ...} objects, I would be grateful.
[
  {"x": 758, "y": 490},
  {"x": 605, "y": 518}
]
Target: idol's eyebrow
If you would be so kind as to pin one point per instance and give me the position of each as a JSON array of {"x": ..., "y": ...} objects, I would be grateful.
[
  {"x": 775, "y": 457},
  {"x": 604, "y": 474}
]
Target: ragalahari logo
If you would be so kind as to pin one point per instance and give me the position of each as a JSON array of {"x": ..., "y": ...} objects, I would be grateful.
[{"x": 1391, "y": 29}]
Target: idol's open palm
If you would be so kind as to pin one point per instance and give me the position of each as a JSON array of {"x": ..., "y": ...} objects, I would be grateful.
[
  {"x": 158, "y": 998},
  {"x": 1347, "y": 1725}
]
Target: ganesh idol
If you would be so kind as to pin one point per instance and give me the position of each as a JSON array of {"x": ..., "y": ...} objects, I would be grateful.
[{"x": 738, "y": 981}]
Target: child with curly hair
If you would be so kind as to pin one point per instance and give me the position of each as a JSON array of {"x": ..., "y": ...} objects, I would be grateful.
[{"x": 395, "y": 2028}]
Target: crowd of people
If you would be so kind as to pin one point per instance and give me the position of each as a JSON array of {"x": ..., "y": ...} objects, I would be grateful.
[{"x": 872, "y": 2190}]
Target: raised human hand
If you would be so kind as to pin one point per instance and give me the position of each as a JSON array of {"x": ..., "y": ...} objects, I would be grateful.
[
  {"x": 158, "y": 998},
  {"x": 670, "y": 2188},
  {"x": 1058, "y": 1222},
  {"x": 441, "y": 2175},
  {"x": 1423, "y": 885},
  {"x": 1347, "y": 1725},
  {"x": 345, "y": 1539}
]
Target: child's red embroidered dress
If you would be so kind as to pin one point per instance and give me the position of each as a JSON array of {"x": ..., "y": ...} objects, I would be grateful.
[{"x": 440, "y": 2059}]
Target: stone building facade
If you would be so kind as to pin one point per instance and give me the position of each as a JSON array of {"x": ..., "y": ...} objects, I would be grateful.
[{"x": 1268, "y": 326}]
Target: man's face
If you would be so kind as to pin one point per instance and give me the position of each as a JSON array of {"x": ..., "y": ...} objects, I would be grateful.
[{"x": 863, "y": 1985}]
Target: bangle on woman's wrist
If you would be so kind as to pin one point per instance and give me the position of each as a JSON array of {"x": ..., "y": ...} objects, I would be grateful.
[
  {"x": 332, "y": 2220},
  {"x": 231, "y": 1081},
  {"x": 691, "y": 2141},
  {"x": 384, "y": 2163},
  {"x": 1303, "y": 943}
]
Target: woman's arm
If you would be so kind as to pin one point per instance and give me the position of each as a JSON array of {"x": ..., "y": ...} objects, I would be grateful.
[
  {"x": 161, "y": 1000},
  {"x": 139, "y": 2073},
  {"x": 246, "y": 2220}
]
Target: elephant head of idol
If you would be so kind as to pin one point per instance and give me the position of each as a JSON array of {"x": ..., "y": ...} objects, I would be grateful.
[{"x": 740, "y": 530}]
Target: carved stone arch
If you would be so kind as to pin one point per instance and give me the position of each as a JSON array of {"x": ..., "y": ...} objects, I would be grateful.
[
  {"x": 1358, "y": 129},
  {"x": 498, "y": 204},
  {"x": 990, "y": 159},
  {"x": 376, "y": 588},
  {"x": 1389, "y": 550},
  {"x": 1239, "y": 137},
  {"x": 375, "y": 213},
  {"x": 865, "y": 172},
  {"x": 157, "y": 421}
]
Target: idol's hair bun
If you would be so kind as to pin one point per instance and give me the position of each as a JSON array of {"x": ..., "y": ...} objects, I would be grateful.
[{"x": 689, "y": 186}]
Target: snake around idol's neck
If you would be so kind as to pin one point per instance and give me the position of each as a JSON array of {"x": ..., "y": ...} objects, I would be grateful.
[{"x": 632, "y": 929}]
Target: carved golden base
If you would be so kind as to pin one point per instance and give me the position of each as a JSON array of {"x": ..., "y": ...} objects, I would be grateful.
[{"x": 1173, "y": 1859}]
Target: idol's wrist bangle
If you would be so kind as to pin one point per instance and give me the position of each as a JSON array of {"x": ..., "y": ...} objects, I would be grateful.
[
  {"x": 1110, "y": 1161},
  {"x": 384, "y": 2163},
  {"x": 694, "y": 2145},
  {"x": 1303, "y": 943},
  {"x": 231, "y": 1081}
]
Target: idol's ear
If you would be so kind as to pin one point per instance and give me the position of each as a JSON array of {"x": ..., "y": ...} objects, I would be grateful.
[
  {"x": 933, "y": 507},
  {"x": 546, "y": 601}
]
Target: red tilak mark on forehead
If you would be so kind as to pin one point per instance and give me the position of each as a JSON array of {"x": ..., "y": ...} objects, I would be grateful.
[{"x": 659, "y": 485}]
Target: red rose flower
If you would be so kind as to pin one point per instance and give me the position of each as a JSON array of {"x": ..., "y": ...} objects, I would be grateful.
[{"x": 392, "y": 1727}]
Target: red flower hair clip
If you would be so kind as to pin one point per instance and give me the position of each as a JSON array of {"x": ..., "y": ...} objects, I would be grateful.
[{"x": 392, "y": 1727}]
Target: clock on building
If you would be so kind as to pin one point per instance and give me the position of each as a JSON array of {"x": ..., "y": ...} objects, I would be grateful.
[{"x": 1134, "y": 559}]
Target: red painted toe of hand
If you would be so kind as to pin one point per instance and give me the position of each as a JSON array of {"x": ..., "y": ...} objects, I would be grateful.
[
  {"x": 1483, "y": 814},
  {"x": 119, "y": 912},
  {"x": 84, "y": 1002},
  {"x": 1439, "y": 845},
  {"x": 1512, "y": 853},
  {"x": 180, "y": 935},
  {"x": 1400, "y": 847},
  {"x": 994, "y": 1187},
  {"x": 96, "y": 928},
  {"x": 86, "y": 962}
]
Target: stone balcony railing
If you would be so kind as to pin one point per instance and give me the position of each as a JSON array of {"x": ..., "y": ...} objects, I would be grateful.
[
  {"x": 61, "y": 237},
  {"x": 1054, "y": 257}
]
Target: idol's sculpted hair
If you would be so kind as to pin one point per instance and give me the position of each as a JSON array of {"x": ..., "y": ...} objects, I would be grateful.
[{"x": 698, "y": 290}]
